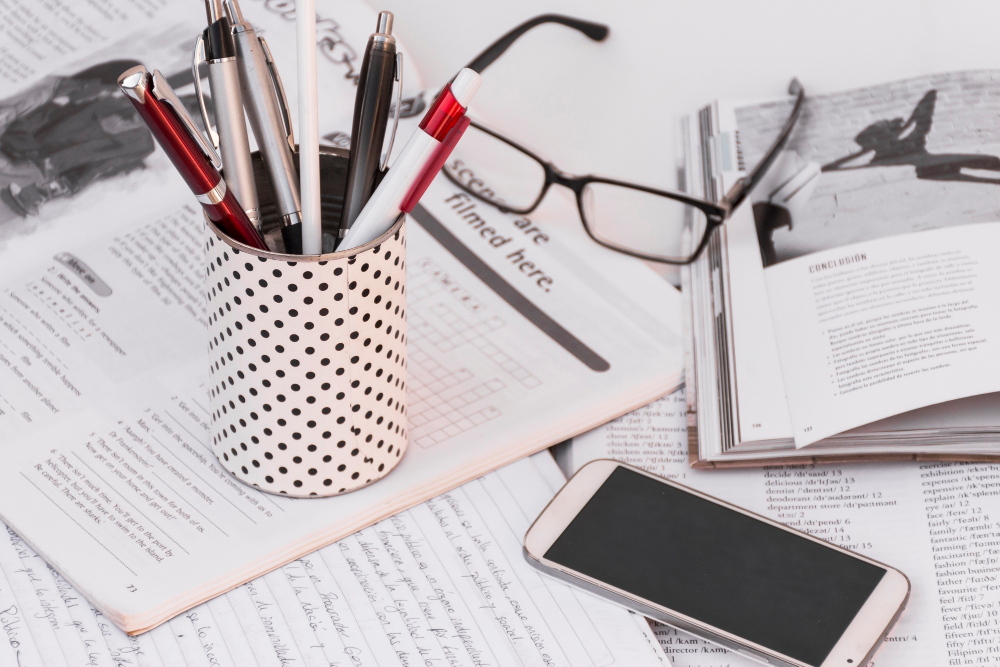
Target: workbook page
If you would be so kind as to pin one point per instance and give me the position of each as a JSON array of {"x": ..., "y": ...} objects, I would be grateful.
[
  {"x": 934, "y": 521},
  {"x": 443, "y": 583},
  {"x": 108, "y": 470}
]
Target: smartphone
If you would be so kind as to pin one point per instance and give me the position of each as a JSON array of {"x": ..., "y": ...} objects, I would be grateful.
[{"x": 715, "y": 570}]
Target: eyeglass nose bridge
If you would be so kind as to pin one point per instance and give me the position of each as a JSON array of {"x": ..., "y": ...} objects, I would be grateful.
[{"x": 559, "y": 177}]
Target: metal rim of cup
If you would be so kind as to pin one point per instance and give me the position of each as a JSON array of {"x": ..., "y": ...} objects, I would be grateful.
[{"x": 284, "y": 257}]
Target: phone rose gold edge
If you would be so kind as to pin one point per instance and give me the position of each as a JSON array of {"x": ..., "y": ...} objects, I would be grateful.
[{"x": 858, "y": 643}]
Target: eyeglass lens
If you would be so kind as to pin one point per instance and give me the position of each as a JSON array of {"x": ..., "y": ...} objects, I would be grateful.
[
  {"x": 495, "y": 171},
  {"x": 641, "y": 222}
]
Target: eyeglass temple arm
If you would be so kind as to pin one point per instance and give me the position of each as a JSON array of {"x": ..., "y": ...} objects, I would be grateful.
[
  {"x": 594, "y": 31},
  {"x": 745, "y": 185}
]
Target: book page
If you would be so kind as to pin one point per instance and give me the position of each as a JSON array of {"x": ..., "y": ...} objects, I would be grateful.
[
  {"x": 934, "y": 521},
  {"x": 887, "y": 326},
  {"x": 843, "y": 223},
  {"x": 731, "y": 314},
  {"x": 443, "y": 583}
]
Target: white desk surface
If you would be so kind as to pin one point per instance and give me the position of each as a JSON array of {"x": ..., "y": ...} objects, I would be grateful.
[{"x": 612, "y": 108}]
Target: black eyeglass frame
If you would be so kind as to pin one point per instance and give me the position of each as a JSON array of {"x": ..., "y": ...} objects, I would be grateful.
[{"x": 716, "y": 213}]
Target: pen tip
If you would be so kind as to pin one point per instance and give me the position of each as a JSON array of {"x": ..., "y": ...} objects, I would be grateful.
[{"x": 384, "y": 23}]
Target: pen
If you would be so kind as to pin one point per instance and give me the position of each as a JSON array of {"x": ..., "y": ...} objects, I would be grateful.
[
  {"x": 190, "y": 153},
  {"x": 217, "y": 49},
  {"x": 312, "y": 224},
  {"x": 435, "y": 164},
  {"x": 385, "y": 204},
  {"x": 371, "y": 114},
  {"x": 263, "y": 98}
]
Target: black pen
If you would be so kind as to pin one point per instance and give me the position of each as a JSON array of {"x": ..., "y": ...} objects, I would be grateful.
[{"x": 371, "y": 114}]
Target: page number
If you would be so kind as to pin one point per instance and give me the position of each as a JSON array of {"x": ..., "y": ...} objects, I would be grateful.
[{"x": 131, "y": 588}]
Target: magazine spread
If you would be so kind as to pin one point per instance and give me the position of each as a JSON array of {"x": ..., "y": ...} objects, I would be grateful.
[
  {"x": 874, "y": 228},
  {"x": 739, "y": 410}
]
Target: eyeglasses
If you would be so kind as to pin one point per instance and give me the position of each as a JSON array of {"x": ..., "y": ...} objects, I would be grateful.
[{"x": 645, "y": 222}]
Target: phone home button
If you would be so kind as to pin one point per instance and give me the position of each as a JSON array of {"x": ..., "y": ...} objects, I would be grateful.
[{"x": 753, "y": 655}]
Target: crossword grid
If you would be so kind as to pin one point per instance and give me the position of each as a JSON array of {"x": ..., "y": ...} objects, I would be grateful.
[
  {"x": 433, "y": 417},
  {"x": 446, "y": 402}
]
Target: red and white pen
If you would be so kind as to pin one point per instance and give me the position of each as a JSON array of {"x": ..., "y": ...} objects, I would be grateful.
[
  {"x": 408, "y": 171},
  {"x": 190, "y": 152},
  {"x": 434, "y": 166}
]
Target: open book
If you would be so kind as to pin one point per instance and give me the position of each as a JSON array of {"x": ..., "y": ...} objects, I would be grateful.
[
  {"x": 851, "y": 310},
  {"x": 108, "y": 472}
]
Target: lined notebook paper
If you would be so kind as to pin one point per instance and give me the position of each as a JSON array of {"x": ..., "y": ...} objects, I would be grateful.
[{"x": 442, "y": 584}]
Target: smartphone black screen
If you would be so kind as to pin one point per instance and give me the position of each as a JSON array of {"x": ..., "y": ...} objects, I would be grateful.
[{"x": 716, "y": 565}]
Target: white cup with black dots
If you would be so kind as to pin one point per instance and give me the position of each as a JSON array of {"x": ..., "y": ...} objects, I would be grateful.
[{"x": 308, "y": 355}]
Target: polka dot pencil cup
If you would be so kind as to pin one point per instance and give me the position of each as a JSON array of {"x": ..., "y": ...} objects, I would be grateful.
[{"x": 308, "y": 355}]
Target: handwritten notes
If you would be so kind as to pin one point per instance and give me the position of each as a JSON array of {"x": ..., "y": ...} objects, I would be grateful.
[{"x": 443, "y": 584}]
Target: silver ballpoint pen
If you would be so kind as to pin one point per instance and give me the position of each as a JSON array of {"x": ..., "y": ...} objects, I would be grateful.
[
  {"x": 269, "y": 122},
  {"x": 217, "y": 49}
]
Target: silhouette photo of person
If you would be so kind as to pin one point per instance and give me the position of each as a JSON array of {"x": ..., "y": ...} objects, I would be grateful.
[{"x": 895, "y": 143}]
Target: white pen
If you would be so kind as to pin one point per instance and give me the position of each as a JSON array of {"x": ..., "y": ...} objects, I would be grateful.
[
  {"x": 309, "y": 189},
  {"x": 385, "y": 205}
]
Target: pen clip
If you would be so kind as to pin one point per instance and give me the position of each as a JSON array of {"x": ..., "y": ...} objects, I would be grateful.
[
  {"x": 197, "y": 58},
  {"x": 162, "y": 91},
  {"x": 395, "y": 116},
  {"x": 279, "y": 91}
]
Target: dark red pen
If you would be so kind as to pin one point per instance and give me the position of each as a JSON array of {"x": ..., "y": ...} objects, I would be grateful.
[{"x": 190, "y": 152}]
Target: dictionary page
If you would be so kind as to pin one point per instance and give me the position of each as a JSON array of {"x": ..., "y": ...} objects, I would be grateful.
[
  {"x": 934, "y": 521},
  {"x": 443, "y": 583}
]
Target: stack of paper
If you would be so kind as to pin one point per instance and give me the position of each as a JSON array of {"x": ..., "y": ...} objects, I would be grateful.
[
  {"x": 443, "y": 583},
  {"x": 109, "y": 473}
]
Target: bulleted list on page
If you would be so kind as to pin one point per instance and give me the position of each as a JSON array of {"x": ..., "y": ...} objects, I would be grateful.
[{"x": 879, "y": 328}]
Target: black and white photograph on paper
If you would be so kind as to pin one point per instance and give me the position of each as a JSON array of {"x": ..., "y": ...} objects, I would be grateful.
[
  {"x": 877, "y": 162},
  {"x": 73, "y": 134}
]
